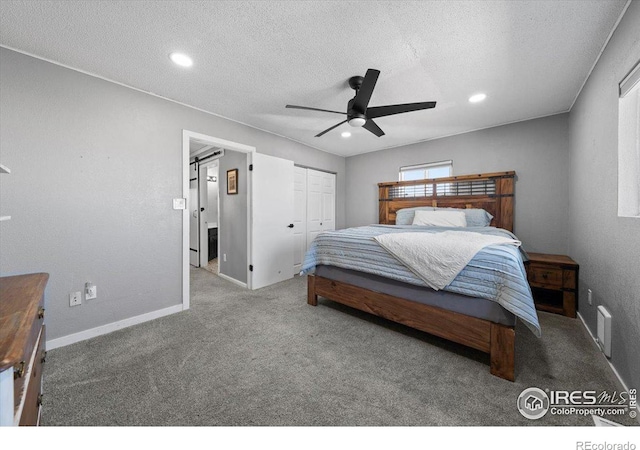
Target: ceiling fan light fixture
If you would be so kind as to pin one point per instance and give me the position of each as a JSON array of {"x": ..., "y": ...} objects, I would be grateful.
[
  {"x": 357, "y": 121},
  {"x": 477, "y": 98},
  {"x": 181, "y": 59}
]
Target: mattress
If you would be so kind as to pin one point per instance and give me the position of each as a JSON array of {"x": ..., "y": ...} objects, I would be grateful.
[{"x": 470, "y": 306}]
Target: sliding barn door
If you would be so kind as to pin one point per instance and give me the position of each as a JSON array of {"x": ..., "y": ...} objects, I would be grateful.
[
  {"x": 194, "y": 216},
  {"x": 272, "y": 220}
]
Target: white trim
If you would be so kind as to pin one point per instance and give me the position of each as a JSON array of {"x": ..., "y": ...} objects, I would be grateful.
[
  {"x": 630, "y": 81},
  {"x": 615, "y": 372},
  {"x": 233, "y": 280},
  {"x": 186, "y": 137},
  {"x": 6, "y": 397},
  {"x": 111, "y": 327},
  {"x": 595, "y": 63}
]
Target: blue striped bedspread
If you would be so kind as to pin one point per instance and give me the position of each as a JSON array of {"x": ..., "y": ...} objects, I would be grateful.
[{"x": 495, "y": 273}]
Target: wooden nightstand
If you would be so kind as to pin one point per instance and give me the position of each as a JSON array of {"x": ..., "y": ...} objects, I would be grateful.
[{"x": 554, "y": 283}]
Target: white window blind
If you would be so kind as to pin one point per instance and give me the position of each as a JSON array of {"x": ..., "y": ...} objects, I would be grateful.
[{"x": 438, "y": 169}]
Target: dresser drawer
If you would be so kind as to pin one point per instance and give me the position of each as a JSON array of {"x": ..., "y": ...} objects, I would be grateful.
[
  {"x": 21, "y": 369},
  {"x": 33, "y": 396},
  {"x": 545, "y": 276}
]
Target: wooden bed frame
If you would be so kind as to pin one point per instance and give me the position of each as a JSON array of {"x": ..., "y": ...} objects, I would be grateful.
[{"x": 493, "y": 192}]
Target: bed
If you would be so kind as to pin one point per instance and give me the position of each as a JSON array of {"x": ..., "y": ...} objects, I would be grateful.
[{"x": 354, "y": 268}]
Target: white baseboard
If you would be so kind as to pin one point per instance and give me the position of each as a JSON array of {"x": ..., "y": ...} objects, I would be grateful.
[
  {"x": 110, "y": 327},
  {"x": 233, "y": 280},
  {"x": 613, "y": 368}
]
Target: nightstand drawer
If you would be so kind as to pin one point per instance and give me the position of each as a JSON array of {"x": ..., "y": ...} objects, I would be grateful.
[{"x": 544, "y": 276}]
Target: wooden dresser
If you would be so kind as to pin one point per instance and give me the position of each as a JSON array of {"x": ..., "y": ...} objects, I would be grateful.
[
  {"x": 22, "y": 348},
  {"x": 554, "y": 283}
]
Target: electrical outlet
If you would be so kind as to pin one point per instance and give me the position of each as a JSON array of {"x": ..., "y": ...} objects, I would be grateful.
[
  {"x": 589, "y": 296},
  {"x": 75, "y": 298},
  {"x": 90, "y": 291}
]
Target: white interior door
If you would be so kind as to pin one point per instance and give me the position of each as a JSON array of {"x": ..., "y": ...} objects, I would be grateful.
[
  {"x": 314, "y": 204},
  {"x": 203, "y": 198},
  {"x": 328, "y": 201},
  {"x": 321, "y": 203},
  {"x": 194, "y": 216},
  {"x": 271, "y": 220},
  {"x": 299, "y": 217}
]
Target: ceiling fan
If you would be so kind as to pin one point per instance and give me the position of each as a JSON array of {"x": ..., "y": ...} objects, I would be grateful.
[{"x": 358, "y": 112}]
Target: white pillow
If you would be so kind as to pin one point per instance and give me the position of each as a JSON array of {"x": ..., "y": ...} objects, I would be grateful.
[{"x": 440, "y": 218}]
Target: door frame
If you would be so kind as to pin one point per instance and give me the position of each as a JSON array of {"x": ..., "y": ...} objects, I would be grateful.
[{"x": 187, "y": 135}]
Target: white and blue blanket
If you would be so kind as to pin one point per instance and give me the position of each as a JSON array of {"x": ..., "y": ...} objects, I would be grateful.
[{"x": 495, "y": 273}]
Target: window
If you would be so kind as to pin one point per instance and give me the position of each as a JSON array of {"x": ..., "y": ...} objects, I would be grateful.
[
  {"x": 629, "y": 145},
  {"x": 430, "y": 170}
]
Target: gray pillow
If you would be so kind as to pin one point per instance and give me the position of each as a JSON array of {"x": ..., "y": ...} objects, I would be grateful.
[{"x": 477, "y": 217}]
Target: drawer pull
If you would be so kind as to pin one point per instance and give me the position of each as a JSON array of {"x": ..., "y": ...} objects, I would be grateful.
[
  {"x": 41, "y": 313},
  {"x": 18, "y": 371},
  {"x": 39, "y": 401},
  {"x": 545, "y": 275},
  {"x": 43, "y": 358}
]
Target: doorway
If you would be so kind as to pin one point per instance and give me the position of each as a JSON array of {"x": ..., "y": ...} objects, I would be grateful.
[
  {"x": 203, "y": 202},
  {"x": 255, "y": 226},
  {"x": 205, "y": 207},
  {"x": 193, "y": 145}
]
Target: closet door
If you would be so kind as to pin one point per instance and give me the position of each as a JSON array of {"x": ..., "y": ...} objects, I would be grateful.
[
  {"x": 328, "y": 221},
  {"x": 321, "y": 203},
  {"x": 299, "y": 218},
  {"x": 315, "y": 214}
]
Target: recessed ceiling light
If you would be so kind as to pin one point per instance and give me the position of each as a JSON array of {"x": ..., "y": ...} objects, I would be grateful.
[
  {"x": 346, "y": 134},
  {"x": 477, "y": 98},
  {"x": 181, "y": 59}
]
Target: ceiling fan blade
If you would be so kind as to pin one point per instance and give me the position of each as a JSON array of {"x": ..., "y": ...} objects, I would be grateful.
[
  {"x": 381, "y": 111},
  {"x": 373, "y": 127},
  {"x": 314, "y": 109},
  {"x": 329, "y": 129},
  {"x": 361, "y": 100}
]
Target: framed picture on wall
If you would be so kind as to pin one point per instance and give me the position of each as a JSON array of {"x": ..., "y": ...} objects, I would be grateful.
[{"x": 232, "y": 181}]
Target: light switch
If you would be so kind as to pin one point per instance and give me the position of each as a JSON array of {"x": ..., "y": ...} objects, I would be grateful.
[{"x": 179, "y": 203}]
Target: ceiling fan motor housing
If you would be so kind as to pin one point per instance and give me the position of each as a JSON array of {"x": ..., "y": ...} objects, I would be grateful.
[{"x": 355, "y": 118}]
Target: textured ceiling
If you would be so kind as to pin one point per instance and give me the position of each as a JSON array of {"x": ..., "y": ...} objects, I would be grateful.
[{"x": 531, "y": 58}]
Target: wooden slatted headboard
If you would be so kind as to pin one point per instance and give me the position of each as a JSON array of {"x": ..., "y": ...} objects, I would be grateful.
[{"x": 493, "y": 192}]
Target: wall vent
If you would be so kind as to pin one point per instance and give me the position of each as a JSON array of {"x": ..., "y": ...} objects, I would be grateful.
[{"x": 604, "y": 330}]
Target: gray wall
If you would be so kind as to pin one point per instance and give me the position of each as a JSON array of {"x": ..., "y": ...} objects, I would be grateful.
[
  {"x": 232, "y": 228},
  {"x": 94, "y": 168},
  {"x": 538, "y": 150},
  {"x": 606, "y": 246}
]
